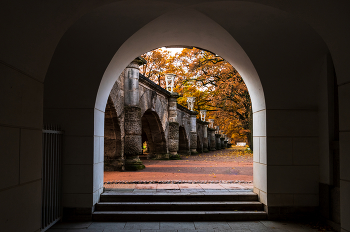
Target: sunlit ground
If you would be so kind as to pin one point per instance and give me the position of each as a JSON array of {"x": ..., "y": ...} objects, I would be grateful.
[{"x": 229, "y": 164}]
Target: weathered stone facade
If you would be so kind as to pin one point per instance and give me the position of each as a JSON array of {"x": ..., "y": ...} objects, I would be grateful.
[
  {"x": 148, "y": 114},
  {"x": 114, "y": 148}
]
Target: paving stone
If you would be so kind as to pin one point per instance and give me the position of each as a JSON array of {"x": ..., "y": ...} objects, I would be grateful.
[
  {"x": 252, "y": 226},
  {"x": 189, "y": 186},
  {"x": 86, "y": 230},
  {"x": 146, "y": 186},
  {"x": 177, "y": 225},
  {"x": 119, "y": 230},
  {"x": 171, "y": 191},
  {"x": 281, "y": 225},
  {"x": 212, "y": 186},
  {"x": 232, "y": 186},
  {"x": 168, "y": 187},
  {"x": 158, "y": 230},
  {"x": 142, "y": 226},
  {"x": 56, "y": 230},
  {"x": 111, "y": 225},
  {"x": 71, "y": 225},
  {"x": 212, "y": 226}
]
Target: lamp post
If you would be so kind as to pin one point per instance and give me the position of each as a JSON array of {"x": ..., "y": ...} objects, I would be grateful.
[
  {"x": 169, "y": 81},
  {"x": 190, "y": 102},
  {"x": 203, "y": 114},
  {"x": 211, "y": 123}
]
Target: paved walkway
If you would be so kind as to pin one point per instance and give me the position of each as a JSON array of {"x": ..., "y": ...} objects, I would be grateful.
[
  {"x": 177, "y": 188},
  {"x": 255, "y": 226},
  {"x": 230, "y": 164}
]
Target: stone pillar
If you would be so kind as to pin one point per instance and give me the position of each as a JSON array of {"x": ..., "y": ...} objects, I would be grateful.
[
  {"x": 173, "y": 136},
  {"x": 212, "y": 139},
  {"x": 193, "y": 133},
  {"x": 222, "y": 140},
  {"x": 132, "y": 122},
  {"x": 218, "y": 141},
  {"x": 205, "y": 137}
]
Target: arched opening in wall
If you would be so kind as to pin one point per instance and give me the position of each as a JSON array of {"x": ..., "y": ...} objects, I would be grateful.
[
  {"x": 171, "y": 127},
  {"x": 184, "y": 148},
  {"x": 186, "y": 26},
  {"x": 113, "y": 147},
  {"x": 153, "y": 135},
  {"x": 199, "y": 145}
]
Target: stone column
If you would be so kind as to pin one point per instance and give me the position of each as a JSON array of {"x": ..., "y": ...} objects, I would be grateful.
[
  {"x": 193, "y": 133},
  {"x": 212, "y": 139},
  {"x": 222, "y": 140},
  {"x": 218, "y": 141},
  {"x": 132, "y": 122},
  {"x": 173, "y": 136},
  {"x": 205, "y": 137}
]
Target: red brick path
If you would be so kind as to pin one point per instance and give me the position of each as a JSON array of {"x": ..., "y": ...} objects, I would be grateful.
[{"x": 228, "y": 164}]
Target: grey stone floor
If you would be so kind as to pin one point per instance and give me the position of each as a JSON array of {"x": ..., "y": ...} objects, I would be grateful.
[{"x": 255, "y": 226}]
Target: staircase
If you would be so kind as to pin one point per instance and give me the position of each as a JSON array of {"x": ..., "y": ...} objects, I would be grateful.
[{"x": 216, "y": 206}]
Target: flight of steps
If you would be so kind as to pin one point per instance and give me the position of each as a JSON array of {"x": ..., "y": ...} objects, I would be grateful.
[{"x": 238, "y": 206}]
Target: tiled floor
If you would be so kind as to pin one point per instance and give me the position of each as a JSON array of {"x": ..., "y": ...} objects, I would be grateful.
[{"x": 256, "y": 226}]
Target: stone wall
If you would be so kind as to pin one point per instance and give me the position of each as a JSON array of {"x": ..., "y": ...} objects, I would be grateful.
[{"x": 154, "y": 117}]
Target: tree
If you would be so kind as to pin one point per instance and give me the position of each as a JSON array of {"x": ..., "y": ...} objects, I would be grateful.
[{"x": 217, "y": 86}]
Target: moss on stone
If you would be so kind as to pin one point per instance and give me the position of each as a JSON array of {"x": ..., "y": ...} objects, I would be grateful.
[
  {"x": 175, "y": 157},
  {"x": 134, "y": 167}
]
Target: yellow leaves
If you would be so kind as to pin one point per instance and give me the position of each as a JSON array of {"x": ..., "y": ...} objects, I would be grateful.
[{"x": 217, "y": 86}]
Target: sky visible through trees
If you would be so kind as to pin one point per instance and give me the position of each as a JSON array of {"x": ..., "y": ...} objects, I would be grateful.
[{"x": 217, "y": 86}]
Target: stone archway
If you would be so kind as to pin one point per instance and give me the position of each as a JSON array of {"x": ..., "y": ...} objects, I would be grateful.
[
  {"x": 113, "y": 146},
  {"x": 199, "y": 144},
  {"x": 153, "y": 134},
  {"x": 250, "y": 45}
]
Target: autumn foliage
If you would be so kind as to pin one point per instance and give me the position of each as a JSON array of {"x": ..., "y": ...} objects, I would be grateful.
[{"x": 217, "y": 86}]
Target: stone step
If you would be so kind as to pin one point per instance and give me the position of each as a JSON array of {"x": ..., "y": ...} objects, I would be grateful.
[
  {"x": 175, "y": 197},
  {"x": 179, "y": 216},
  {"x": 179, "y": 206}
]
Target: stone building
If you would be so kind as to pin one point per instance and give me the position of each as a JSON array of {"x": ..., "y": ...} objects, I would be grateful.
[{"x": 166, "y": 131}]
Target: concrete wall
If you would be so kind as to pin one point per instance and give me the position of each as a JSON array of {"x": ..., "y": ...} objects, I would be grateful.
[{"x": 57, "y": 53}]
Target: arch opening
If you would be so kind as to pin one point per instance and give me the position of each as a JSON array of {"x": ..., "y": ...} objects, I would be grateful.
[
  {"x": 154, "y": 135},
  {"x": 113, "y": 146},
  {"x": 183, "y": 27},
  {"x": 183, "y": 142}
]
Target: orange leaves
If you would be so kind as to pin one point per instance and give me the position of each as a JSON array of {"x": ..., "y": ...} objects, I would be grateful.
[{"x": 217, "y": 86}]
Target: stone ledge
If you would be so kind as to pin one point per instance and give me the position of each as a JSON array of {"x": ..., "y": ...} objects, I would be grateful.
[{"x": 179, "y": 182}]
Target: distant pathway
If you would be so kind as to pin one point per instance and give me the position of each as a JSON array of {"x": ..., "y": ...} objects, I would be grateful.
[{"x": 223, "y": 165}]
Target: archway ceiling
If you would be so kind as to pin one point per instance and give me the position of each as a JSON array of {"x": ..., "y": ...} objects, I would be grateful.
[
  {"x": 266, "y": 34},
  {"x": 31, "y": 31}
]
